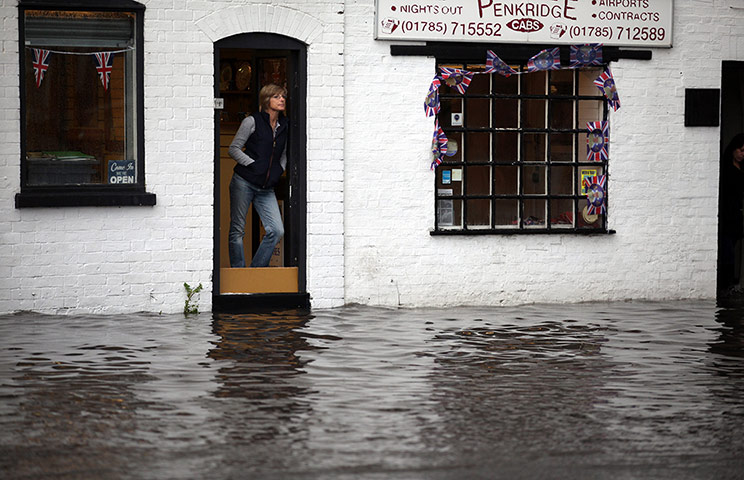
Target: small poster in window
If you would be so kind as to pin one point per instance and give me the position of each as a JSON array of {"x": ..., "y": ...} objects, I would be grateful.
[
  {"x": 586, "y": 173},
  {"x": 122, "y": 171},
  {"x": 445, "y": 209},
  {"x": 446, "y": 177}
]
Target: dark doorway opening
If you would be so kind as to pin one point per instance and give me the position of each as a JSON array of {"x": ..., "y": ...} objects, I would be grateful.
[{"x": 732, "y": 123}]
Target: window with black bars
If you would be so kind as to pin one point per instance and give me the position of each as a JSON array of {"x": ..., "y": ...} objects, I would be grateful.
[{"x": 517, "y": 153}]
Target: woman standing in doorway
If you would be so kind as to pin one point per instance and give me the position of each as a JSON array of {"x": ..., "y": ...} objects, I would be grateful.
[
  {"x": 730, "y": 217},
  {"x": 259, "y": 147}
]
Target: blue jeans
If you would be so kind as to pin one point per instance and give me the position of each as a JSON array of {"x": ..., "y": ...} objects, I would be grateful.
[{"x": 242, "y": 194}]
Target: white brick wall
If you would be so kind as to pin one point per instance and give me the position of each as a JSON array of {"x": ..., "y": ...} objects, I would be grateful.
[{"x": 370, "y": 191}]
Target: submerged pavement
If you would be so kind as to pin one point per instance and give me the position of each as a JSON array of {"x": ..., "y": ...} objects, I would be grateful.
[{"x": 595, "y": 391}]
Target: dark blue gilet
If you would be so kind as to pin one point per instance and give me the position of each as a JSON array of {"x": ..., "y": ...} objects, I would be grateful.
[{"x": 266, "y": 150}]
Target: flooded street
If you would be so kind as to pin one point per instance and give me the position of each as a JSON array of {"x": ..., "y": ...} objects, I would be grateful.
[{"x": 592, "y": 391}]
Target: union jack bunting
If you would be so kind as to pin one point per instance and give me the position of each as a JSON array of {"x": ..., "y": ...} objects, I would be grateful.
[
  {"x": 606, "y": 85},
  {"x": 41, "y": 64},
  {"x": 431, "y": 105},
  {"x": 438, "y": 145},
  {"x": 549, "y": 59},
  {"x": 456, "y": 78},
  {"x": 495, "y": 65},
  {"x": 597, "y": 141},
  {"x": 104, "y": 66},
  {"x": 585, "y": 55},
  {"x": 595, "y": 194}
]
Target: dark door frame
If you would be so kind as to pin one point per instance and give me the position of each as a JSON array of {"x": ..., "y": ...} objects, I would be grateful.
[{"x": 296, "y": 230}]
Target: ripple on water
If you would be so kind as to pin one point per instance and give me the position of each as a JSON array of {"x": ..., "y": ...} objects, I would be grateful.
[{"x": 594, "y": 391}]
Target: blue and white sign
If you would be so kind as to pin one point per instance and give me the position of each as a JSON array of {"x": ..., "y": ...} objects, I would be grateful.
[{"x": 122, "y": 171}]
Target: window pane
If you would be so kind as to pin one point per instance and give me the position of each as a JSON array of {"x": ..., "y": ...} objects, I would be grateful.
[
  {"x": 533, "y": 180},
  {"x": 454, "y": 147},
  {"x": 586, "y": 81},
  {"x": 561, "y": 147},
  {"x": 534, "y": 83},
  {"x": 562, "y": 212},
  {"x": 445, "y": 185},
  {"x": 561, "y": 114},
  {"x": 590, "y": 111},
  {"x": 534, "y": 213},
  {"x": 505, "y": 146},
  {"x": 478, "y": 147},
  {"x": 79, "y": 131},
  {"x": 534, "y": 147},
  {"x": 505, "y": 180},
  {"x": 448, "y": 106},
  {"x": 534, "y": 112},
  {"x": 479, "y": 85},
  {"x": 505, "y": 85},
  {"x": 449, "y": 213},
  {"x": 478, "y": 180},
  {"x": 506, "y": 213},
  {"x": 479, "y": 213},
  {"x": 477, "y": 113},
  {"x": 561, "y": 180},
  {"x": 561, "y": 82},
  {"x": 505, "y": 113}
]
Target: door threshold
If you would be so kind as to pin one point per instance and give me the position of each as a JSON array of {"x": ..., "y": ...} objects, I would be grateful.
[{"x": 257, "y": 302}]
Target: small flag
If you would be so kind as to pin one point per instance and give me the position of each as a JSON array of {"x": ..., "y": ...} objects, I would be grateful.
[
  {"x": 585, "y": 55},
  {"x": 597, "y": 141},
  {"x": 456, "y": 78},
  {"x": 438, "y": 145},
  {"x": 104, "y": 66},
  {"x": 431, "y": 105},
  {"x": 606, "y": 85},
  {"x": 549, "y": 59},
  {"x": 595, "y": 194},
  {"x": 41, "y": 64},
  {"x": 495, "y": 65}
]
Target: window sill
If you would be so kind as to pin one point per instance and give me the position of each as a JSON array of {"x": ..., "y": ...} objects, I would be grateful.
[
  {"x": 526, "y": 231},
  {"x": 84, "y": 199}
]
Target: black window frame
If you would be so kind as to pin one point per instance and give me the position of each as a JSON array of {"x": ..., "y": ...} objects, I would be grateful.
[
  {"x": 518, "y": 57},
  {"x": 86, "y": 195}
]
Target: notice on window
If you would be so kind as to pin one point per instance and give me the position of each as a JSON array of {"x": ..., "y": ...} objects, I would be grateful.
[
  {"x": 121, "y": 172},
  {"x": 637, "y": 23}
]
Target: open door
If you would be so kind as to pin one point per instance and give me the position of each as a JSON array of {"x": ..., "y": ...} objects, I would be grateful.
[
  {"x": 243, "y": 65},
  {"x": 732, "y": 123}
]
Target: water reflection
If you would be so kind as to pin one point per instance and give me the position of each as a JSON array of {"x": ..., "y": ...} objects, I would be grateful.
[{"x": 626, "y": 390}]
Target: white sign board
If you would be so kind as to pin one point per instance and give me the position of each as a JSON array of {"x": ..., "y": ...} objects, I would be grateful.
[{"x": 636, "y": 23}]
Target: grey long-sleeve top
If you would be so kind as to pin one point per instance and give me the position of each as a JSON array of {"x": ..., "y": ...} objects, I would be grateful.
[{"x": 246, "y": 129}]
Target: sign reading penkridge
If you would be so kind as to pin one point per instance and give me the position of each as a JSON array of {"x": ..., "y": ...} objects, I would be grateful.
[{"x": 638, "y": 23}]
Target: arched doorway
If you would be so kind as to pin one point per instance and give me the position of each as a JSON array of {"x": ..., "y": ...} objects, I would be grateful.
[{"x": 243, "y": 64}]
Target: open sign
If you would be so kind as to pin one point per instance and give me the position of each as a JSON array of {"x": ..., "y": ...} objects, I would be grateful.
[{"x": 122, "y": 171}]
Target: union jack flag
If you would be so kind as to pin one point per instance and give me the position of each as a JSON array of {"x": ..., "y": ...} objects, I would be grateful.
[
  {"x": 431, "y": 105},
  {"x": 595, "y": 194},
  {"x": 597, "y": 141},
  {"x": 549, "y": 59},
  {"x": 456, "y": 78},
  {"x": 606, "y": 85},
  {"x": 585, "y": 55},
  {"x": 104, "y": 66},
  {"x": 495, "y": 65},
  {"x": 41, "y": 64},
  {"x": 438, "y": 145}
]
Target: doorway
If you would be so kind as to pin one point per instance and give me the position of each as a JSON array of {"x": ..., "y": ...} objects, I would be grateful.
[
  {"x": 243, "y": 65},
  {"x": 732, "y": 123}
]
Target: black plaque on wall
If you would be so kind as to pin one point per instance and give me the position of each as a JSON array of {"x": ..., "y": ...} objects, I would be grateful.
[{"x": 702, "y": 107}]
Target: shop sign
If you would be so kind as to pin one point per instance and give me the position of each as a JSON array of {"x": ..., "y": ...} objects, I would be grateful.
[
  {"x": 121, "y": 171},
  {"x": 637, "y": 23}
]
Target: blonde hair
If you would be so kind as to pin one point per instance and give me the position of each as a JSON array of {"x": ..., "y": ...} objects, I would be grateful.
[{"x": 267, "y": 92}]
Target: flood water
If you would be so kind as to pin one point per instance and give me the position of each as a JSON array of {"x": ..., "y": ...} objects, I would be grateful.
[{"x": 591, "y": 391}]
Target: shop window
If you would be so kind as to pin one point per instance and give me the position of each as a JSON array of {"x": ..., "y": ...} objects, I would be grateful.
[
  {"x": 521, "y": 160},
  {"x": 81, "y": 104}
]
